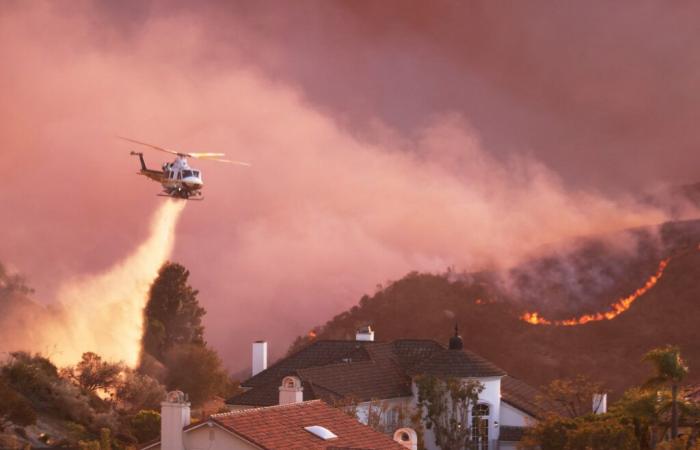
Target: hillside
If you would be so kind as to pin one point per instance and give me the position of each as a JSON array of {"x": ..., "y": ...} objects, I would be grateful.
[{"x": 586, "y": 278}]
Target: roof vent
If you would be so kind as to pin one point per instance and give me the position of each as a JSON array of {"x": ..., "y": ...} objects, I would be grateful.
[{"x": 321, "y": 432}]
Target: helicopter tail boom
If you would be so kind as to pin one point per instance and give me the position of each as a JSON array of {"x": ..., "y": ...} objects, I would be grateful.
[{"x": 143, "y": 163}]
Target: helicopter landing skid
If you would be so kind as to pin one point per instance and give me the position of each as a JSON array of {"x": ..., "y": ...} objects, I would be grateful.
[{"x": 190, "y": 199}]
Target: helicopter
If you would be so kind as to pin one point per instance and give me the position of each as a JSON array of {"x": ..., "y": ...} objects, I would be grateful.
[{"x": 178, "y": 179}]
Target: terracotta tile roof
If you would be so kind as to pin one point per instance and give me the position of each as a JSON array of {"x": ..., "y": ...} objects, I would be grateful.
[
  {"x": 456, "y": 363},
  {"x": 520, "y": 395},
  {"x": 282, "y": 428}
]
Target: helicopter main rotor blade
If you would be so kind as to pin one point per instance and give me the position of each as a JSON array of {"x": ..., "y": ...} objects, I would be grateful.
[
  {"x": 215, "y": 157},
  {"x": 196, "y": 155},
  {"x": 155, "y": 147}
]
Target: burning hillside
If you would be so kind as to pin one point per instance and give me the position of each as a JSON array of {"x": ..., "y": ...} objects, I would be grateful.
[
  {"x": 616, "y": 308},
  {"x": 662, "y": 310}
]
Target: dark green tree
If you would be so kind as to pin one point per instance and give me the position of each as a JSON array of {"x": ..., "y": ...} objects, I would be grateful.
[
  {"x": 670, "y": 370},
  {"x": 173, "y": 315},
  {"x": 198, "y": 371},
  {"x": 145, "y": 425}
]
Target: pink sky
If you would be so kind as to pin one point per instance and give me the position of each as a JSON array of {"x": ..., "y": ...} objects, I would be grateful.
[{"x": 382, "y": 141}]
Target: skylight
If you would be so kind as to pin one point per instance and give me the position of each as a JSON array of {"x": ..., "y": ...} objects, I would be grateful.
[{"x": 321, "y": 432}]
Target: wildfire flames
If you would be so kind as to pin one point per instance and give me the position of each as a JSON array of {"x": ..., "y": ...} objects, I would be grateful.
[{"x": 616, "y": 308}]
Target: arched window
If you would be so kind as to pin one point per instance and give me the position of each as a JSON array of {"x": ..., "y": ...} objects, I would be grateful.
[{"x": 480, "y": 427}]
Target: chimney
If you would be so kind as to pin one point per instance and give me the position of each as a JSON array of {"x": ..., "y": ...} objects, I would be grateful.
[
  {"x": 600, "y": 403},
  {"x": 364, "y": 334},
  {"x": 291, "y": 391},
  {"x": 259, "y": 357},
  {"x": 407, "y": 437},
  {"x": 174, "y": 416}
]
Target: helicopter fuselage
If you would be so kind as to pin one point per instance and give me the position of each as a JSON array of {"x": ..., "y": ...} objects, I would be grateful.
[{"x": 177, "y": 178}]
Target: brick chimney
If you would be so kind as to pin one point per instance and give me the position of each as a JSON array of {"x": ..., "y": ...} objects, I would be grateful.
[{"x": 174, "y": 416}]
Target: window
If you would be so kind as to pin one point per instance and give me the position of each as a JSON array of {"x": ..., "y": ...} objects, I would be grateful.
[
  {"x": 186, "y": 173},
  {"x": 196, "y": 173},
  {"x": 479, "y": 439}
]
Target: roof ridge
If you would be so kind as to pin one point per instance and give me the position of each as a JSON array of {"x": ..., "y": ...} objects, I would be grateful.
[{"x": 267, "y": 408}]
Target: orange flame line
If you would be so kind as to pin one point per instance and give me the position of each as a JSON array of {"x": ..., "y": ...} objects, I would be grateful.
[{"x": 616, "y": 308}]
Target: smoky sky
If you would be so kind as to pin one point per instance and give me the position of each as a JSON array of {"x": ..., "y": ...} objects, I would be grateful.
[{"x": 385, "y": 137}]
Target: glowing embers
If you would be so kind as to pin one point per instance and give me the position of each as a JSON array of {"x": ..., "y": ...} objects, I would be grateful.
[{"x": 616, "y": 308}]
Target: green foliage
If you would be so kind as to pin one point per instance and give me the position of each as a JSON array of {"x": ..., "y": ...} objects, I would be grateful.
[
  {"x": 198, "y": 371},
  {"x": 105, "y": 439},
  {"x": 670, "y": 369},
  {"x": 601, "y": 434},
  {"x": 92, "y": 373},
  {"x": 173, "y": 315},
  {"x": 582, "y": 433},
  {"x": 145, "y": 425},
  {"x": 138, "y": 391},
  {"x": 668, "y": 365},
  {"x": 30, "y": 375},
  {"x": 446, "y": 406},
  {"x": 89, "y": 445}
]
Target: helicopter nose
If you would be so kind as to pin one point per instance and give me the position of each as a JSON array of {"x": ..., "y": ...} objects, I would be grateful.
[{"x": 193, "y": 183}]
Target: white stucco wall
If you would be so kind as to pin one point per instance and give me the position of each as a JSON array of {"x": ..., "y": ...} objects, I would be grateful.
[
  {"x": 212, "y": 438},
  {"x": 513, "y": 417},
  {"x": 215, "y": 438}
]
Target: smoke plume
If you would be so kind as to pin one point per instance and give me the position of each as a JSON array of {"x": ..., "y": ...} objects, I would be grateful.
[{"x": 101, "y": 313}]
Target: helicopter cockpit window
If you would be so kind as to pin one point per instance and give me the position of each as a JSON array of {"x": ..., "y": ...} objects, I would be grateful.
[
  {"x": 179, "y": 175},
  {"x": 186, "y": 173},
  {"x": 196, "y": 173}
]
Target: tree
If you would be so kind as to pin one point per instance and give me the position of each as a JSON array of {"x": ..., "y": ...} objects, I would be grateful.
[
  {"x": 198, "y": 371},
  {"x": 138, "y": 392},
  {"x": 446, "y": 406},
  {"x": 597, "y": 432},
  {"x": 570, "y": 397},
  {"x": 173, "y": 315},
  {"x": 670, "y": 369},
  {"x": 92, "y": 373},
  {"x": 642, "y": 408},
  {"x": 145, "y": 425}
]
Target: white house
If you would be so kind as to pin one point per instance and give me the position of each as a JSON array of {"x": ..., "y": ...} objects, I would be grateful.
[{"x": 377, "y": 380}]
